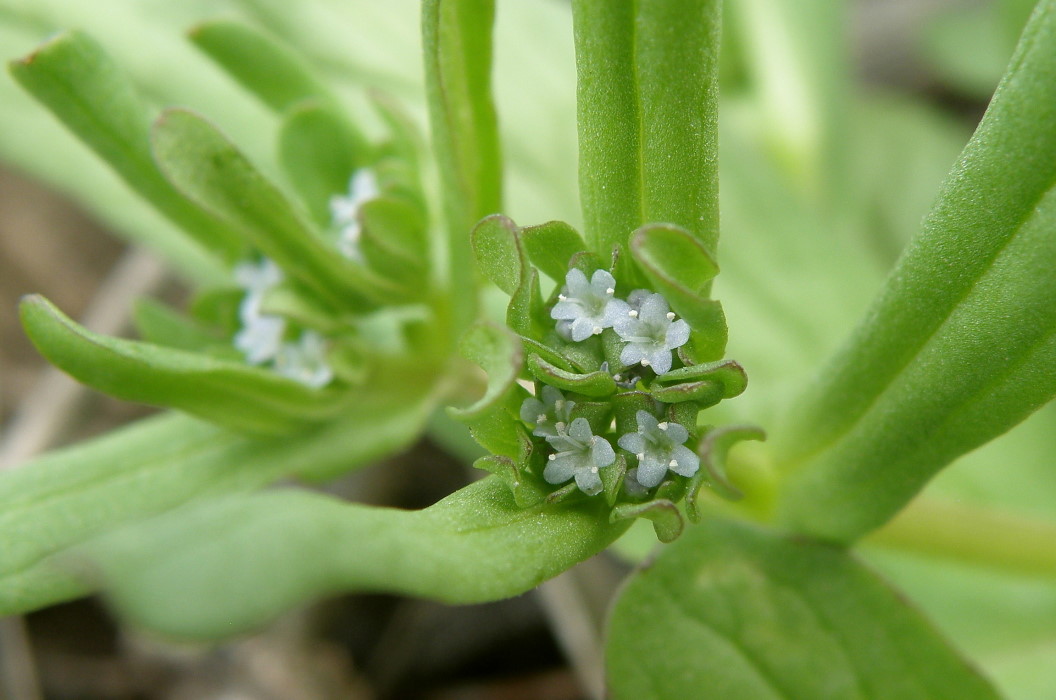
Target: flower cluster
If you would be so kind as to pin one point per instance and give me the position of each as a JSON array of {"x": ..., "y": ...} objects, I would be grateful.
[
  {"x": 644, "y": 321},
  {"x": 649, "y": 333},
  {"x": 263, "y": 337}
]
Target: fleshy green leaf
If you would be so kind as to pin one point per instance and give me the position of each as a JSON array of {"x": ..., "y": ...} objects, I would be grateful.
[
  {"x": 228, "y": 393},
  {"x": 961, "y": 343},
  {"x": 647, "y": 103},
  {"x": 202, "y": 163},
  {"x": 551, "y": 246},
  {"x": 733, "y": 612},
  {"x": 456, "y": 37},
  {"x": 197, "y": 573},
  {"x": 160, "y": 324},
  {"x": 499, "y": 253},
  {"x": 74, "y": 77},
  {"x": 592, "y": 384},
  {"x": 274, "y": 73}
]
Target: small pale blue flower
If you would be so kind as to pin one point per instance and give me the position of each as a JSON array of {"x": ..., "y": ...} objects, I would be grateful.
[
  {"x": 651, "y": 333},
  {"x": 344, "y": 211},
  {"x": 659, "y": 446},
  {"x": 586, "y": 308},
  {"x": 305, "y": 360},
  {"x": 549, "y": 416},
  {"x": 580, "y": 454}
]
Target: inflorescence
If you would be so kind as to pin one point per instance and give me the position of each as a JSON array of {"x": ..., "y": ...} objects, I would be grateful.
[{"x": 649, "y": 332}]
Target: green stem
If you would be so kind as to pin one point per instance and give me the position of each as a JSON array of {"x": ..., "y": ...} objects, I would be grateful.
[{"x": 976, "y": 535}]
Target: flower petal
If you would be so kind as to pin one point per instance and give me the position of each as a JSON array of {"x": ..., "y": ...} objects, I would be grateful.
[
  {"x": 588, "y": 482},
  {"x": 560, "y": 469},
  {"x": 632, "y": 442},
  {"x": 531, "y": 409},
  {"x": 651, "y": 471},
  {"x": 677, "y": 334},
  {"x": 660, "y": 360},
  {"x": 580, "y": 430},
  {"x": 686, "y": 461},
  {"x": 677, "y": 433},
  {"x": 601, "y": 452}
]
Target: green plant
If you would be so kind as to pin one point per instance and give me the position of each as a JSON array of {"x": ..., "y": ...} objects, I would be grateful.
[{"x": 343, "y": 357}]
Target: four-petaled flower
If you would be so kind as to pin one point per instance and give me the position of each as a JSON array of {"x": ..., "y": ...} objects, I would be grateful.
[
  {"x": 580, "y": 454},
  {"x": 549, "y": 416},
  {"x": 344, "y": 211},
  {"x": 651, "y": 333},
  {"x": 586, "y": 308},
  {"x": 659, "y": 446}
]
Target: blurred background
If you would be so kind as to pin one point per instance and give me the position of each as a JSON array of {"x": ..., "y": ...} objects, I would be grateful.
[{"x": 947, "y": 53}]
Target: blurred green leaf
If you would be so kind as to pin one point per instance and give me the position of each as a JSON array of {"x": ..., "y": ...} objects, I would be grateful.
[
  {"x": 961, "y": 343},
  {"x": 197, "y": 573},
  {"x": 499, "y": 252},
  {"x": 648, "y": 117},
  {"x": 736, "y": 612},
  {"x": 551, "y": 246},
  {"x": 456, "y": 37},
  {"x": 74, "y": 77},
  {"x": 202, "y": 163},
  {"x": 229, "y": 393},
  {"x": 160, "y": 324},
  {"x": 260, "y": 63},
  {"x": 319, "y": 152}
]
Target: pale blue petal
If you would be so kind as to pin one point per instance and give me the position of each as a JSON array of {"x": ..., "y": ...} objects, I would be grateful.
[
  {"x": 647, "y": 422},
  {"x": 686, "y": 460},
  {"x": 677, "y": 433},
  {"x": 582, "y": 328},
  {"x": 531, "y": 409},
  {"x": 660, "y": 360},
  {"x": 632, "y": 354},
  {"x": 576, "y": 283},
  {"x": 580, "y": 430},
  {"x": 601, "y": 282},
  {"x": 677, "y": 334},
  {"x": 651, "y": 471},
  {"x": 632, "y": 442},
  {"x": 560, "y": 469},
  {"x": 588, "y": 482},
  {"x": 566, "y": 311},
  {"x": 654, "y": 307},
  {"x": 601, "y": 453}
]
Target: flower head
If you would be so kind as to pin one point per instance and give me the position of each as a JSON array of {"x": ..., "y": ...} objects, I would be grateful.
[
  {"x": 305, "y": 360},
  {"x": 659, "y": 447},
  {"x": 344, "y": 211},
  {"x": 586, "y": 308},
  {"x": 549, "y": 416},
  {"x": 580, "y": 454},
  {"x": 651, "y": 333}
]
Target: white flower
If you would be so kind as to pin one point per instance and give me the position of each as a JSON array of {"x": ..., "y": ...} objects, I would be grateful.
[
  {"x": 586, "y": 308},
  {"x": 344, "y": 211},
  {"x": 659, "y": 447},
  {"x": 549, "y": 416},
  {"x": 305, "y": 360},
  {"x": 651, "y": 333},
  {"x": 580, "y": 454},
  {"x": 261, "y": 334}
]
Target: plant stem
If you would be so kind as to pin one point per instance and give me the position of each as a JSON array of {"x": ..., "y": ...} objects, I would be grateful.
[{"x": 975, "y": 535}]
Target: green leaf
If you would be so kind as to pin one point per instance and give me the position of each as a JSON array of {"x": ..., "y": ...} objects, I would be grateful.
[
  {"x": 202, "y": 163},
  {"x": 492, "y": 419},
  {"x": 551, "y": 246},
  {"x": 63, "y": 498},
  {"x": 262, "y": 65},
  {"x": 319, "y": 152},
  {"x": 592, "y": 384},
  {"x": 197, "y": 573},
  {"x": 648, "y": 117},
  {"x": 736, "y": 612},
  {"x": 74, "y": 77},
  {"x": 228, "y": 393},
  {"x": 500, "y": 256},
  {"x": 456, "y": 35},
  {"x": 160, "y": 324},
  {"x": 713, "y": 451},
  {"x": 727, "y": 373},
  {"x": 960, "y": 345}
]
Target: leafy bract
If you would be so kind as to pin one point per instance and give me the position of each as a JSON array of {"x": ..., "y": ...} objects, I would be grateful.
[
  {"x": 198, "y": 573},
  {"x": 961, "y": 343},
  {"x": 729, "y": 611}
]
